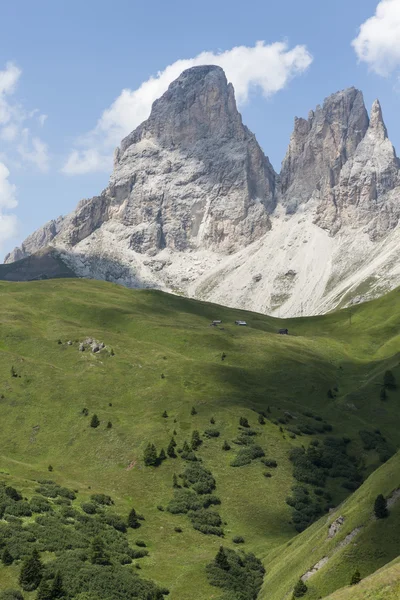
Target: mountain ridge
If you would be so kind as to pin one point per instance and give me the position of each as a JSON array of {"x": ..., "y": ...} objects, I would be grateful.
[{"x": 194, "y": 206}]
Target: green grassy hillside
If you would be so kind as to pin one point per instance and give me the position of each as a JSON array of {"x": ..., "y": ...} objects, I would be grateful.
[
  {"x": 162, "y": 355},
  {"x": 371, "y": 544},
  {"x": 382, "y": 585}
]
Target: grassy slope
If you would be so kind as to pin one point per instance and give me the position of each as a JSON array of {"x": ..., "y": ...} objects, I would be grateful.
[
  {"x": 154, "y": 333},
  {"x": 376, "y": 544},
  {"x": 382, "y": 585}
]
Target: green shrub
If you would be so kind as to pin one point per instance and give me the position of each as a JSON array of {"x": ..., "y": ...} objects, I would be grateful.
[
  {"x": 150, "y": 455},
  {"x": 184, "y": 501},
  {"x": 355, "y": 578},
  {"x": 211, "y": 433},
  {"x": 239, "y": 575},
  {"x": 226, "y": 446},
  {"x": 389, "y": 380},
  {"x": 246, "y": 455},
  {"x": 7, "y": 558},
  {"x": 238, "y": 539},
  {"x": 196, "y": 440},
  {"x": 89, "y": 508},
  {"x": 380, "y": 507},
  {"x": 269, "y": 462},
  {"x": 38, "y": 504},
  {"x": 243, "y": 422},
  {"x": 102, "y": 499},
  {"x": 94, "y": 422},
  {"x": 139, "y": 553},
  {"x": 13, "y": 493},
  {"x": 31, "y": 572},
  {"x": 300, "y": 589},
  {"x": 11, "y": 595},
  {"x": 115, "y": 521},
  {"x": 206, "y": 521},
  {"x": 140, "y": 543},
  {"x": 133, "y": 519}
]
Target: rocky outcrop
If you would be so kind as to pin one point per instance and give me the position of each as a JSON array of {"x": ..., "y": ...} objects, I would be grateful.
[
  {"x": 190, "y": 176},
  {"x": 194, "y": 206},
  {"x": 342, "y": 162},
  {"x": 320, "y": 146}
]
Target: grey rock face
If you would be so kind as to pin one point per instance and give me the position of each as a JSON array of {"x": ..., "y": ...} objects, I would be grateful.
[
  {"x": 343, "y": 162},
  {"x": 41, "y": 238},
  {"x": 191, "y": 175},
  {"x": 193, "y": 205},
  {"x": 321, "y": 145}
]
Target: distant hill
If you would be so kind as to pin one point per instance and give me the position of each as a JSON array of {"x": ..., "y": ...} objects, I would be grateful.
[{"x": 44, "y": 264}]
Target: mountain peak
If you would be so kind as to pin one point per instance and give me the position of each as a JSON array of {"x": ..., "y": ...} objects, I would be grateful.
[
  {"x": 376, "y": 121},
  {"x": 199, "y": 104}
]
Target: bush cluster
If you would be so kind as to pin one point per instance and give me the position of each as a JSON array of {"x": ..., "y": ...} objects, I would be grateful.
[
  {"x": 195, "y": 497},
  {"x": 89, "y": 549},
  {"x": 240, "y": 575},
  {"x": 374, "y": 440},
  {"x": 246, "y": 455},
  {"x": 305, "y": 508}
]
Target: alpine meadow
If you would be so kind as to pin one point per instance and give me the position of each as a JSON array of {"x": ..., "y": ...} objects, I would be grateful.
[{"x": 269, "y": 434}]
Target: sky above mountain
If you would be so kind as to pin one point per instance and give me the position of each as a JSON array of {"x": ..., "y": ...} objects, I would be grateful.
[{"x": 75, "y": 77}]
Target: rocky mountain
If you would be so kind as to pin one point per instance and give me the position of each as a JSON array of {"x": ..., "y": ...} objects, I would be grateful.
[{"x": 194, "y": 206}]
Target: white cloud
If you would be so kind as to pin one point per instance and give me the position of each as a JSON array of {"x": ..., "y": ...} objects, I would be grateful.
[
  {"x": 267, "y": 68},
  {"x": 33, "y": 150},
  {"x": 42, "y": 119},
  {"x": 14, "y": 118},
  {"x": 8, "y": 222},
  {"x": 85, "y": 161},
  {"x": 378, "y": 41}
]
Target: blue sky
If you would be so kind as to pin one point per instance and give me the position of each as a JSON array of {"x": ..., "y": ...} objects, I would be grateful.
[{"x": 64, "y": 63}]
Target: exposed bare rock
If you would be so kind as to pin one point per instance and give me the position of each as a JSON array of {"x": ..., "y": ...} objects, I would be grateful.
[
  {"x": 320, "y": 146},
  {"x": 193, "y": 206},
  {"x": 335, "y": 527}
]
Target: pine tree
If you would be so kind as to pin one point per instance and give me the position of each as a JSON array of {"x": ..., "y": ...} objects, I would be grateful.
[
  {"x": 212, "y": 421},
  {"x": 243, "y": 422},
  {"x": 6, "y": 558},
  {"x": 221, "y": 559},
  {"x": 300, "y": 589},
  {"x": 165, "y": 414},
  {"x": 162, "y": 456},
  {"x": 98, "y": 554},
  {"x": 150, "y": 455},
  {"x": 196, "y": 441},
  {"x": 261, "y": 419},
  {"x": 94, "y": 422},
  {"x": 226, "y": 446},
  {"x": 31, "y": 572},
  {"x": 185, "y": 448},
  {"x": 269, "y": 410},
  {"x": 389, "y": 380},
  {"x": 133, "y": 520},
  {"x": 171, "y": 449},
  {"x": 380, "y": 507},
  {"x": 193, "y": 411},
  {"x": 44, "y": 591},
  {"x": 383, "y": 394},
  {"x": 355, "y": 578},
  {"x": 57, "y": 590},
  {"x": 175, "y": 483}
]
